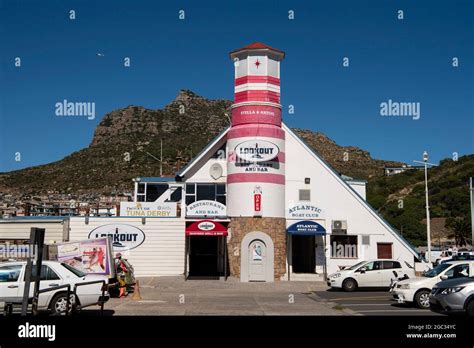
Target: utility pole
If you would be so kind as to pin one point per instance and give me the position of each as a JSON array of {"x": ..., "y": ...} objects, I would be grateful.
[
  {"x": 428, "y": 225},
  {"x": 161, "y": 158},
  {"x": 472, "y": 213}
]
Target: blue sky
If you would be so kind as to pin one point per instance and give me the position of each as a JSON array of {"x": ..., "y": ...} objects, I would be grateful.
[{"x": 405, "y": 60}]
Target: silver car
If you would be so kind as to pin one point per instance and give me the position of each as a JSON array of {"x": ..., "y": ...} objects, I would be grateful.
[{"x": 453, "y": 296}]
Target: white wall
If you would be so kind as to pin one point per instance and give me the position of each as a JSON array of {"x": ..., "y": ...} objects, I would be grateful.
[
  {"x": 359, "y": 187},
  {"x": 162, "y": 252},
  {"x": 55, "y": 231},
  {"x": 338, "y": 202},
  {"x": 202, "y": 174}
]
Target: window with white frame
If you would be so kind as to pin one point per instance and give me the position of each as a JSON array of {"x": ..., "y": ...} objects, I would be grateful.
[{"x": 210, "y": 192}]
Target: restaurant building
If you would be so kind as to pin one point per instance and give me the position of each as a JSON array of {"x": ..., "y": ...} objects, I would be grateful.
[{"x": 256, "y": 203}]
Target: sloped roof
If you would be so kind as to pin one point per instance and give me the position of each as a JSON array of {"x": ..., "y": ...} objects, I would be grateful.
[{"x": 258, "y": 46}]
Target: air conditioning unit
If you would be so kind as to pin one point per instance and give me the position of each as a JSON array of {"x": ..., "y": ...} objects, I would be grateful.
[{"x": 339, "y": 224}]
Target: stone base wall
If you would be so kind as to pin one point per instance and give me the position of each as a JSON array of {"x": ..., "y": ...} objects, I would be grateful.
[{"x": 275, "y": 228}]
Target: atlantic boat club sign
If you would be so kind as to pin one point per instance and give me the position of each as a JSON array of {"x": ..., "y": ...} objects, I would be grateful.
[
  {"x": 305, "y": 211},
  {"x": 257, "y": 150},
  {"x": 306, "y": 228},
  {"x": 206, "y": 208}
]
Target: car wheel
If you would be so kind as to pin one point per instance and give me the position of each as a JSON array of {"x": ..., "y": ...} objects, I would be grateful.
[
  {"x": 349, "y": 285},
  {"x": 470, "y": 308},
  {"x": 422, "y": 299},
  {"x": 59, "y": 303}
]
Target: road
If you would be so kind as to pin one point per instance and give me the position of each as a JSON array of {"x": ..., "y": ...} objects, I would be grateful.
[{"x": 371, "y": 302}]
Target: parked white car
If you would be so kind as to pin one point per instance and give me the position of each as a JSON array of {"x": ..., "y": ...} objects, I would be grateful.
[
  {"x": 417, "y": 290},
  {"x": 446, "y": 255},
  {"x": 372, "y": 273},
  {"x": 12, "y": 283}
]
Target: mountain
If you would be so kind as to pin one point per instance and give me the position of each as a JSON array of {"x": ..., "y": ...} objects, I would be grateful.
[
  {"x": 401, "y": 198},
  {"x": 126, "y": 144}
]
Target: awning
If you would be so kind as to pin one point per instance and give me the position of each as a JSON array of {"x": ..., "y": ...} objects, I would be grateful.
[
  {"x": 206, "y": 228},
  {"x": 306, "y": 228}
]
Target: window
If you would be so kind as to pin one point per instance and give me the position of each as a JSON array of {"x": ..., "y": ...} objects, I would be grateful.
[
  {"x": 391, "y": 264},
  {"x": 46, "y": 273},
  {"x": 78, "y": 273},
  {"x": 305, "y": 195},
  {"x": 211, "y": 192},
  {"x": 141, "y": 192},
  {"x": 10, "y": 273},
  {"x": 365, "y": 240},
  {"x": 176, "y": 194},
  {"x": 344, "y": 246},
  {"x": 154, "y": 191},
  {"x": 458, "y": 271},
  {"x": 373, "y": 266}
]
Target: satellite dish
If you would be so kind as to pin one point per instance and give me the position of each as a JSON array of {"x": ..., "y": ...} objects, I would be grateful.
[{"x": 216, "y": 171}]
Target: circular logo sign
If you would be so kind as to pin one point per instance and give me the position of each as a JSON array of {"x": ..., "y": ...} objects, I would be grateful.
[
  {"x": 124, "y": 237},
  {"x": 257, "y": 150},
  {"x": 206, "y": 226}
]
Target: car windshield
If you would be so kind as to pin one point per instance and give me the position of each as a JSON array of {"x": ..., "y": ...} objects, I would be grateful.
[
  {"x": 436, "y": 270},
  {"x": 357, "y": 265},
  {"x": 73, "y": 270}
]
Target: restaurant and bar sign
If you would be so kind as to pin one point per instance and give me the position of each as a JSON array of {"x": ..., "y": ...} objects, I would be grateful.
[
  {"x": 206, "y": 228},
  {"x": 148, "y": 209},
  {"x": 304, "y": 211},
  {"x": 206, "y": 208},
  {"x": 307, "y": 228}
]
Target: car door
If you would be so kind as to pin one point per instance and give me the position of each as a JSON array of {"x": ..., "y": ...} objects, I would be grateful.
[
  {"x": 457, "y": 271},
  {"x": 386, "y": 274},
  {"x": 9, "y": 281},
  {"x": 48, "y": 279},
  {"x": 369, "y": 275}
]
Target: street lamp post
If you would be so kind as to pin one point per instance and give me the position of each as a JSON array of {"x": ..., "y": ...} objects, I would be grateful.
[
  {"x": 472, "y": 212},
  {"x": 428, "y": 225}
]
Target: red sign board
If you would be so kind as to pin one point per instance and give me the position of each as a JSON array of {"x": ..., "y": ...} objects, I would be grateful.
[
  {"x": 206, "y": 228},
  {"x": 257, "y": 202}
]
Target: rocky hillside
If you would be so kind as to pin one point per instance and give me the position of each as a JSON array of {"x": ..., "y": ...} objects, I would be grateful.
[{"x": 126, "y": 144}]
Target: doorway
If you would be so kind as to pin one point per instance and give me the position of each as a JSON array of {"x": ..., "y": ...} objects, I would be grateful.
[
  {"x": 257, "y": 261},
  {"x": 206, "y": 257},
  {"x": 303, "y": 250}
]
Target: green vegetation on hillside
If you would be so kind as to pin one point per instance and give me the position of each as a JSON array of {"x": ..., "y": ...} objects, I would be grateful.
[{"x": 401, "y": 198}]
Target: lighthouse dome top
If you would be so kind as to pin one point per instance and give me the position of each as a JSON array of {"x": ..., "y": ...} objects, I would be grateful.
[{"x": 258, "y": 46}]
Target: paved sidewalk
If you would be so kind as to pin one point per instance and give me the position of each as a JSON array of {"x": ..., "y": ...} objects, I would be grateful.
[{"x": 174, "y": 296}]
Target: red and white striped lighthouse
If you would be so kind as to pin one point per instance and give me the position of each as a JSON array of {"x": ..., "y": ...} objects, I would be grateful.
[{"x": 256, "y": 141}]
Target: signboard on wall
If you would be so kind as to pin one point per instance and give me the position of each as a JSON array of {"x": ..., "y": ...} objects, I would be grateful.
[
  {"x": 305, "y": 211},
  {"x": 206, "y": 208},
  {"x": 148, "y": 209},
  {"x": 206, "y": 228},
  {"x": 92, "y": 256},
  {"x": 257, "y": 150},
  {"x": 308, "y": 228},
  {"x": 257, "y": 201},
  {"x": 124, "y": 237}
]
